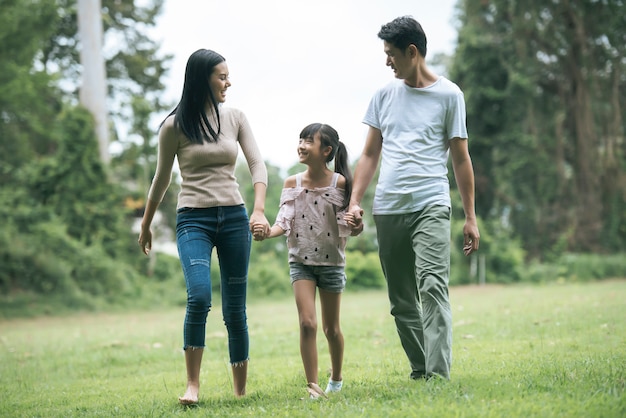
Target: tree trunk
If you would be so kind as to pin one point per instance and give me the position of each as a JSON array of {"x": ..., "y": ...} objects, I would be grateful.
[{"x": 93, "y": 90}]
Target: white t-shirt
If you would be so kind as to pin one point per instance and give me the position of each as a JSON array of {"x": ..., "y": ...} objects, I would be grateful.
[{"x": 416, "y": 125}]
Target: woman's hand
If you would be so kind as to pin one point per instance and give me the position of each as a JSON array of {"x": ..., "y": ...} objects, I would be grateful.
[
  {"x": 259, "y": 231},
  {"x": 145, "y": 240},
  {"x": 259, "y": 226}
]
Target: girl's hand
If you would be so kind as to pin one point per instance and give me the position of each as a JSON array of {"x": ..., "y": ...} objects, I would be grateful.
[
  {"x": 259, "y": 226},
  {"x": 354, "y": 216},
  {"x": 259, "y": 232},
  {"x": 356, "y": 227}
]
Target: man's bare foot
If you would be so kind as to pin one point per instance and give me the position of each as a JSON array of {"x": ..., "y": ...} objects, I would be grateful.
[{"x": 190, "y": 397}]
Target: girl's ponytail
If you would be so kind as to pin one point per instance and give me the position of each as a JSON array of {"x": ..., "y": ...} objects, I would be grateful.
[{"x": 342, "y": 167}]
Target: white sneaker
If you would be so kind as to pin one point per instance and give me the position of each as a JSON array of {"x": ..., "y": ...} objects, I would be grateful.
[{"x": 333, "y": 386}]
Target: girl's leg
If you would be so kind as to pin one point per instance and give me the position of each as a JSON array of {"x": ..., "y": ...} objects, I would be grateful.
[
  {"x": 304, "y": 291},
  {"x": 193, "y": 360},
  {"x": 331, "y": 304}
]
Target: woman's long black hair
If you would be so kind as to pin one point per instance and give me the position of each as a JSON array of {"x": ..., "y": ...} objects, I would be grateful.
[
  {"x": 190, "y": 114},
  {"x": 330, "y": 138}
]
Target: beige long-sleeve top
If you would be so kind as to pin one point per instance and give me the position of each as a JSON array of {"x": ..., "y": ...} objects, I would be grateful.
[{"x": 207, "y": 169}]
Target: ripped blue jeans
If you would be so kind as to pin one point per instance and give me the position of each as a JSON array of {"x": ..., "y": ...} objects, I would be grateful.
[{"x": 227, "y": 229}]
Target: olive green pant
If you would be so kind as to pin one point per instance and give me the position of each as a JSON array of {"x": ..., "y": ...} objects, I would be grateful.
[{"x": 414, "y": 250}]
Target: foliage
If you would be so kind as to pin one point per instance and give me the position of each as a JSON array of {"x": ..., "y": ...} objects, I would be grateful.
[
  {"x": 66, "y": 226},
  {"x": 134, "y": 66},
  {"x": 29, "y": 101},
  {"x": 521, "y": 351},
  {"x": 363, "y": 271},
  {"x": 544, "y": 85},
  {"x": 577, "y": 268},
  {"x": 65, "y": 229},
  {"x": 500, "y": 259},
  {"x": 268, "y": 277}
]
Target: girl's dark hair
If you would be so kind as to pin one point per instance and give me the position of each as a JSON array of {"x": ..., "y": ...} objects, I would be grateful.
[
  {"x": 402, "y": 32},
  {"x": 330, "y": 138},
  {"x": 190, "y": 114}
]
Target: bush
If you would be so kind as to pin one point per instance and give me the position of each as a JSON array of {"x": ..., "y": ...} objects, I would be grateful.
[
  {"x": 503, "y": 255},
  {"x": 269, "y": 276},
  {"x": 578, "y": 267},
  {"x": 363, "y": 271},
  {"x": 31, "y": 259}
]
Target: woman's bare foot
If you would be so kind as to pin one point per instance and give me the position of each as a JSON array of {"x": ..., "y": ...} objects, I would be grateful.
[
  {"x": 193, "y": 359},
  {"x": 240, "y": 375},
  {"x": 190, "y": 397}
]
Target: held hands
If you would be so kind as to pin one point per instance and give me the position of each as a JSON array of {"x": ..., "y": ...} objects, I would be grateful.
[
  {"x": 259, "y": 226},
  {"x": 259, "y": 231},
  {"x": 354, "y": 219},
  {"x": 356, "y": 227}
]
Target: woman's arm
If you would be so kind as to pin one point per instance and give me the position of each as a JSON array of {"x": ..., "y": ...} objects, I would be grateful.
[
  {"x": 259, "y": 225},
  {"x": 168, "y": 146}
]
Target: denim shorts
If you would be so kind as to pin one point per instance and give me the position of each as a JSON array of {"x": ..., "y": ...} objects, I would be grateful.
[{"x": 329, "y": 278}]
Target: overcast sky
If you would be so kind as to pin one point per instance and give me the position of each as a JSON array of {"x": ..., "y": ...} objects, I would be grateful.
[{"x": 293, "y": 63}]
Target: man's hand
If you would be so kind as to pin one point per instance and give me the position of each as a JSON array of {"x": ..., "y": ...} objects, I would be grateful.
[
  {"x": 355, "y": 227},
  {"x": 471, "y": 236},
  {"x": 354, "y": 216}
]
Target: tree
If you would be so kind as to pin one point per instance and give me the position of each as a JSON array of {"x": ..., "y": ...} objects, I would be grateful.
[
  {"x": 64, "y": 218},
  {"x": 93, "y": 87},
  {"x": 544, "y": 88},
  {"x": 133, "y": 65},
  {"x": 29, "y": 99}
]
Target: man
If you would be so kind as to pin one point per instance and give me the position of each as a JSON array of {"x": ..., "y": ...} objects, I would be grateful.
[{"x": 415, "y": 122}]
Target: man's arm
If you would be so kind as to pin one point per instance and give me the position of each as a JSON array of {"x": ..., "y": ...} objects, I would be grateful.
[
  {"x": 464, "y": 175},
  {"x": 364, "y": 172}
]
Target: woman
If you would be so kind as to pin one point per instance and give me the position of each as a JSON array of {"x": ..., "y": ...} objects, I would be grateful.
[{"x": 204, "y": 136}]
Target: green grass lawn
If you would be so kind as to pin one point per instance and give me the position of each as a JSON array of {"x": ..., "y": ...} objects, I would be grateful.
[{"x": 519, "y": 351}]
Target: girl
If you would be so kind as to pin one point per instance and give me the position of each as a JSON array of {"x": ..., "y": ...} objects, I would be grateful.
[
  {"x": 205, "y": 137},
  {"x": 312, "y": 210}
]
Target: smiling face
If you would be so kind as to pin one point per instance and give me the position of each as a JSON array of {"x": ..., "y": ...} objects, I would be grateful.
[
  {"x": 401, "y": 62},
  {"x": 219, "y": 82},
  {"x": 310, "y": 150}
]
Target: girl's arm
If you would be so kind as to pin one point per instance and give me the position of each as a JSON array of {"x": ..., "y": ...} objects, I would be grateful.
[
  {"x": 276, "y": 231},
  {"x": 259, "y": 235}
]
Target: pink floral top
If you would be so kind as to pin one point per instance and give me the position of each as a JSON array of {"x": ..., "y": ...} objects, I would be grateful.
[{"x": 315, "y": 228}]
